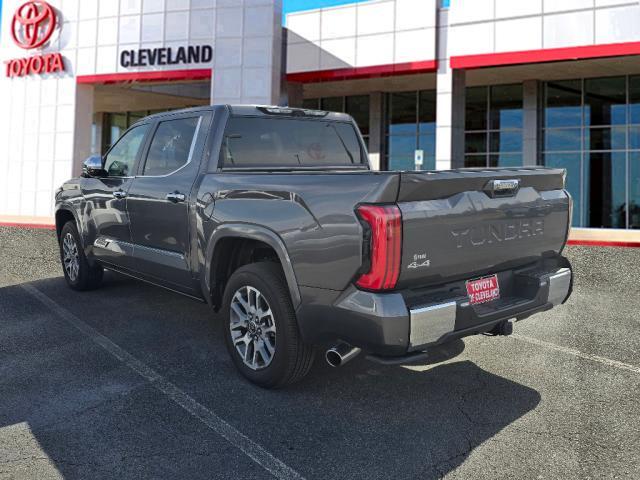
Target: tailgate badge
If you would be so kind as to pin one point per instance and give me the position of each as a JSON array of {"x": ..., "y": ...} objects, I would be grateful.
[
  {"x": 420, "y": 260},
  {"x": 502, "y": 188}
]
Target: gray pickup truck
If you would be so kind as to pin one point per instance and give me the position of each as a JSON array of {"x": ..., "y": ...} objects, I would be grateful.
[{"x": 273, "y": 216}]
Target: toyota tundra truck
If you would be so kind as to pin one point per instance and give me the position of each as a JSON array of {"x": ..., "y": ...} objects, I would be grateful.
[{"x": 274, "y": 217}]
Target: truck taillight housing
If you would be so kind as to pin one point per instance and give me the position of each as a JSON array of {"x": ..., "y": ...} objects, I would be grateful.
[{"x": 383, "y": 246}]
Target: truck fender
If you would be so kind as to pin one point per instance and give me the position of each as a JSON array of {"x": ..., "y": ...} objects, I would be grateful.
[
  {"x": 252, "y": 232},
  {"x": 87, "y": 234},
  {"x": 68, "y": 207}
]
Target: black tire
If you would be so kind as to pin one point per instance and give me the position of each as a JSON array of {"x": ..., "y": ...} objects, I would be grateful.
[
  {"x": 292, "y": 358},
  {"x": 87, "y": 277}
]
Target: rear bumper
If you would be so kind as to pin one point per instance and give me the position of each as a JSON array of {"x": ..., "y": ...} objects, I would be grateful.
[
  {"x": 398, "y": 323},
  {"x": 435, "y": 323}
]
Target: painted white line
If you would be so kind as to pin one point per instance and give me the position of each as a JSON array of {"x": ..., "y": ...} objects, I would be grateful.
[
  {"x": 577, "y": 353},
  {"x": 254, "y": 451}
]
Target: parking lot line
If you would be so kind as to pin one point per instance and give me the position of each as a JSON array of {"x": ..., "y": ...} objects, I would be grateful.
[
  {"x": 578, "y": 353},
  {"x": 254, "y": 451}
]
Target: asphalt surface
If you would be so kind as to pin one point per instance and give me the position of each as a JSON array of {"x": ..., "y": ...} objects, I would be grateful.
[{"x": 131, "y": 381}]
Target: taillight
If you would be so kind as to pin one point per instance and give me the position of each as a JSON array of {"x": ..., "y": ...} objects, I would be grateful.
[{"x": 384, "y": 246}]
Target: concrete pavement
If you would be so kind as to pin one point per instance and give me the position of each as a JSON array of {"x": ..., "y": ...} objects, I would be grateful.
[{"x": 557, "y": 400}]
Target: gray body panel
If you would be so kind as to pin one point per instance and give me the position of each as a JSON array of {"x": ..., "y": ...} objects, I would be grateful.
[
  {"x": 471, "y": 234},
  {"x": 453, "y": 230}
]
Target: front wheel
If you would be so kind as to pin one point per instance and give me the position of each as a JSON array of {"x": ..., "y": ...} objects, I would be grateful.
[
  {"x": 260, "y": 327},
  {"x": 78, "y": 273}
]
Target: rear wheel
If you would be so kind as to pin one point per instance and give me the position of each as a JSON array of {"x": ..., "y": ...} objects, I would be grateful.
[
  {"x": 260, "y": 327},
  {"x": 78, "y": 273}
]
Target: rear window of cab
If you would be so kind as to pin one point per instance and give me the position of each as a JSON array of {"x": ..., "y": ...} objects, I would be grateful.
[{"x": 254, "y": 142}]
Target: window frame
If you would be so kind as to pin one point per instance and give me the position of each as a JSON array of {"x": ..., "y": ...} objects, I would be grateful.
[
  {"x": 418, "y": 136},
  {"x": 141, "y": 150},
  {"x": 364, "y": 158},
  {"x": 488, "y": 132},
  {"x": 585, "y": 152},
  {"x": 152, "y": 133}
]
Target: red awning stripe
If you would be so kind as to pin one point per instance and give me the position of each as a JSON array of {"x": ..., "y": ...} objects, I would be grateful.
[
  {"x": 545, "y": 55},
  {"x": 155, "y": 76}
]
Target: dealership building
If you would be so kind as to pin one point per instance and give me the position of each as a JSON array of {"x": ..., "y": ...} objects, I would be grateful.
[{"x": 432, "y": 84}]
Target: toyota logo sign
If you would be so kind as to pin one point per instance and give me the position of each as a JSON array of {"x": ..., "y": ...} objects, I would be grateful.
[{"x": 33, "y": 24}]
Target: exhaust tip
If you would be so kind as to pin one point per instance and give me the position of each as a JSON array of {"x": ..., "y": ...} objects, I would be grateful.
[
  {"x": 340, "y": 354},
  {"x": 333, "y": 358}
]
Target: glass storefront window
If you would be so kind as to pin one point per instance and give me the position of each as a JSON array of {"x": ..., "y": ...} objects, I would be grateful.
[
  {"x": 605, "y": 184},
  {"x": 332, "y": 104},
  {"x": 609, "y": 138},
  {"x": 634, "y": 190},
  {"x": 494, "y": 122},
  {"x": 475, "y": 161},
  {"x": 403, "y": 113},
  {"x": 117, "y": 126},
  {"x": 562, "y": 139},
  {"x": 592, "y": 128},
  {"x": 605, "y": 101},
  {"x": 634, "y": 100},
  {"x": 572, "y": 163},
  {"x": 506, "y": 107},
  {"x": 506, "y": 160},
  {"x": 476, "y": 143},
  {"x": 563, "y": 104},
  {"x": 475, "y": 116},
  {"x": 311, "y": 103},
  {"x": 411, "y": 126},
  {"x": 357, "y": 106},
  {"x": 427, "y": 112},
  {"x": 402, "y": 145},
  {"x": 506, "y": 141}
]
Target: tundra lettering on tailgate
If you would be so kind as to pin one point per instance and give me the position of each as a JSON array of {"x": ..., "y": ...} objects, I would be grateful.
[{"x": 497, "y": 232}]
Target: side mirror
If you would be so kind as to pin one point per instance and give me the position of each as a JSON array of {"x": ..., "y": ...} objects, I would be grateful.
[{"x": 92, "y": 167}]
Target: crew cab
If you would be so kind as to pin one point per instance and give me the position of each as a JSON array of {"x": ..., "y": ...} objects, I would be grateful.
[{"x": 274, "y": 217}]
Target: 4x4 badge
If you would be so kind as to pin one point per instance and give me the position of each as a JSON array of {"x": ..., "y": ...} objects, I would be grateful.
[{"x": 420, "y": 260}]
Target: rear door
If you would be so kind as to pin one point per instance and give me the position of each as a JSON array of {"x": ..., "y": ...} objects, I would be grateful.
[{"x": 160, "y": 199}]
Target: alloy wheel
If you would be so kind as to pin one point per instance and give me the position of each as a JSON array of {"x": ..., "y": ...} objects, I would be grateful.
[
  {"x": 252, "y": 327},
  {"x": 70, "y": 257}
]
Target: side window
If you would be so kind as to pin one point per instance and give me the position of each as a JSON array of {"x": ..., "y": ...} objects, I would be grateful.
[
  {"x": 122, "y": 157},
  {"x": 172, "y": 146}
]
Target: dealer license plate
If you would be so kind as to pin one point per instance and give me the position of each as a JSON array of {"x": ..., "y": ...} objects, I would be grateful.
[{"x": 483, "y": 289}]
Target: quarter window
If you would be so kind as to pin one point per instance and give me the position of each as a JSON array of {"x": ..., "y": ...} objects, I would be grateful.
[
  {"x": 122, "y": 157},
  {"x": 172, "y": 146}
]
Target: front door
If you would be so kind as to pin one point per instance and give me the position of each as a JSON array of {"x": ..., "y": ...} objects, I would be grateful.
[
  {"x": 159, "y": 199},
  {"x": 106, "y": 200}
]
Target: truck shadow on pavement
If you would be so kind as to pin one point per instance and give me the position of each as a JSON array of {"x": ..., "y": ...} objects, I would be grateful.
[{"x": 68, "y": 405}]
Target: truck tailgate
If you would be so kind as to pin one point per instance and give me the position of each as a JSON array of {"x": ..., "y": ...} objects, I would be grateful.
[{"x": 468, "y": 223}]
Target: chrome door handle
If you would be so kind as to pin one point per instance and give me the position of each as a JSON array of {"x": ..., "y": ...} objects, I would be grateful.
[
  {"x": 120, "y": 194},
  {"x": 175, "y": 197}
]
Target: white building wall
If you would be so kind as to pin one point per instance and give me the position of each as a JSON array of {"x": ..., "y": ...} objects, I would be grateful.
[
  {"x": 248, "y": 52},
  {"x": 498, "y": 26},
  {"x": 450, "y": 103},
  {"x": 37, "y": 125},
  {"x": 46, "y": 123},
  {"x": 380, "y": 32}
]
